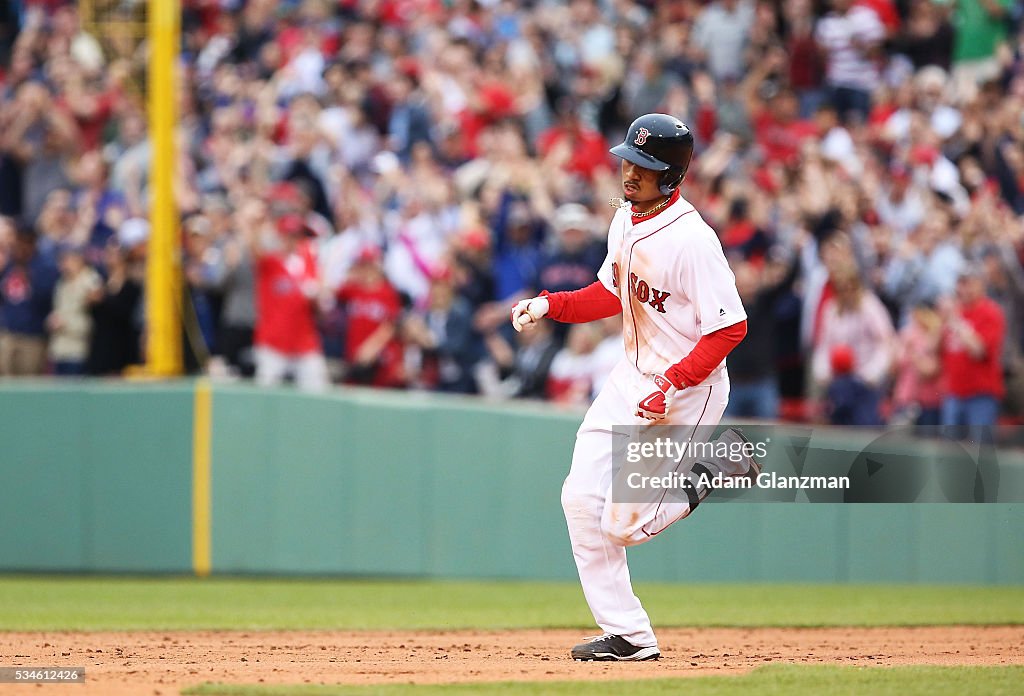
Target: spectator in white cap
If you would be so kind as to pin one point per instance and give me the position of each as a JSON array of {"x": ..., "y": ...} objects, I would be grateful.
[
  {"x": 577, "y": 255},
  {"x": 133, "y": 233}
]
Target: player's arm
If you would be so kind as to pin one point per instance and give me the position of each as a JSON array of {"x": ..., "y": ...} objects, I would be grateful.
[
  {"x": 574, "y": 307},
  {"x": 708, "y": 354},
  {"x": 710, "y": 351},
  {"x": 596, "y": 301}
]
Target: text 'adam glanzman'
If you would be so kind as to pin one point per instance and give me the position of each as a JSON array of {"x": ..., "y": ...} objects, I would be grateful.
[{"x": 766, "y": 479}]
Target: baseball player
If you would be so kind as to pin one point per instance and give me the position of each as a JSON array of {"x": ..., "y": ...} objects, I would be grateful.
[{"x": 666, "y": 273}]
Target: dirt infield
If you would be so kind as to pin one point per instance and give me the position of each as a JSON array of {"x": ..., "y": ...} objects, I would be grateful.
[{"x": 160, "y": 663}]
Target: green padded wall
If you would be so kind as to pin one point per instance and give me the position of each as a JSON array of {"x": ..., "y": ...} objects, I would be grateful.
[{"x": 97, "y": 477}]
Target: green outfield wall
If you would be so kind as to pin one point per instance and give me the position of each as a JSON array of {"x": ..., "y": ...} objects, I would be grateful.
[{"x": 100, "y": 477}]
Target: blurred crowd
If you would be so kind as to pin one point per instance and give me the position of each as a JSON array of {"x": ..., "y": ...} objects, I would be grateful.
[{"x": 367, "y": 187}]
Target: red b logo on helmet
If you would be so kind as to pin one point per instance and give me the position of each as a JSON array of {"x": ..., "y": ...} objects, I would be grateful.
[{"x": 641, "y": 136}]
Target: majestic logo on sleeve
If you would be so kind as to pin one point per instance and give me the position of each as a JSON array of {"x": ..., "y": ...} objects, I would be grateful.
[
  {"x": 644, "y": 293},
  {"x": 641, "y": 136},
  {"x": 615, "y": 274}
]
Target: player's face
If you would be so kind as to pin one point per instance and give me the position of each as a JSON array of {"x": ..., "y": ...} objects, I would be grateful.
[{"x": 640, "y": 184}]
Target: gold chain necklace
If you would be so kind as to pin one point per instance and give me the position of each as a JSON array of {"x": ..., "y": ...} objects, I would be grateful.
[
  {"x": 653, "y": 210},
  {"x": 626, "y": 205}
]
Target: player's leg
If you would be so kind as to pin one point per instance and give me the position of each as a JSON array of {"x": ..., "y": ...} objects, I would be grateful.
[
  {"x": 633, "y": 516},
  {"x": 601, "y": 563}
]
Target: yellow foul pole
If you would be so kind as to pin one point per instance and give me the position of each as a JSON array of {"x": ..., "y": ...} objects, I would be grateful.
[{"x": 163, "y": 267}]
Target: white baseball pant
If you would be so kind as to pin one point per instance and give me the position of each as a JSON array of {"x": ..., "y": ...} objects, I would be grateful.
[{"x": 600, "y": 529}]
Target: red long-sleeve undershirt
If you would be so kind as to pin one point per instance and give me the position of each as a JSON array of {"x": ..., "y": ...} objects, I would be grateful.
[
  {"x": 708, "y": 354},
  {"x": 596, "y": 302},
  {"x": 580, "y": 306}
]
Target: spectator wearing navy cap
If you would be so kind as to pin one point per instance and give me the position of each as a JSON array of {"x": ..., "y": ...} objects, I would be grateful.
[{"x": 26, "y": 298}]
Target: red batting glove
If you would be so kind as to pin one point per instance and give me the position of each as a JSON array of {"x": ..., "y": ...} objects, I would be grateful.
[{"x": 654, "y": 406}]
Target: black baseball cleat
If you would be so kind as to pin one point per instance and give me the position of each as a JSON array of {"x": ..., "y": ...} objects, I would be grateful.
[
  {"x": 747, "y": 467},
  {"x": 607, "y": 647},
  {"x": 706, "y": 475}
]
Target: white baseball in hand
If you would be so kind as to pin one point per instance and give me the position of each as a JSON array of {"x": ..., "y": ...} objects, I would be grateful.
[{"x": 528, "y": 312}]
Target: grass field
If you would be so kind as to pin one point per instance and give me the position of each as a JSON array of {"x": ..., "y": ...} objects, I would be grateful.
[
  {"x": 94, "y": 604},
  {"x": 775, "y": 680},
  {"x": 30, "y": 603}
]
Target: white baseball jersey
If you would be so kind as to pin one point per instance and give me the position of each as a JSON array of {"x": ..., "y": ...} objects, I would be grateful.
[
  {"x": 674, "y": 283},
  {"x": 675, "y": 286}
]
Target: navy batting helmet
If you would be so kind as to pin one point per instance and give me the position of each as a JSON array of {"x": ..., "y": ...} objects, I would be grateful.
[{"x": 659, "y": 142}]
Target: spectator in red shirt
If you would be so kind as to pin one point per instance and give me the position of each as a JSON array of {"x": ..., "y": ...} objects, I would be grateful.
[
  {"x": 372, "y": 307},
  {"x": 287, "y": 288},
  {"x": 581, "y": 151},
  {"x": 917, "y": 392},
  {"x": 779, "y": 130},
  {"x": 972, "y": 346}
]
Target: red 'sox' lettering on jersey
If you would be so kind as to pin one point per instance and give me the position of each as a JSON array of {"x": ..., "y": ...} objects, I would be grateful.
[
  {"x": 645, "y": 294},
  {"x": 643, "y": 291},
  {"x": 658, "y": 299}
]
